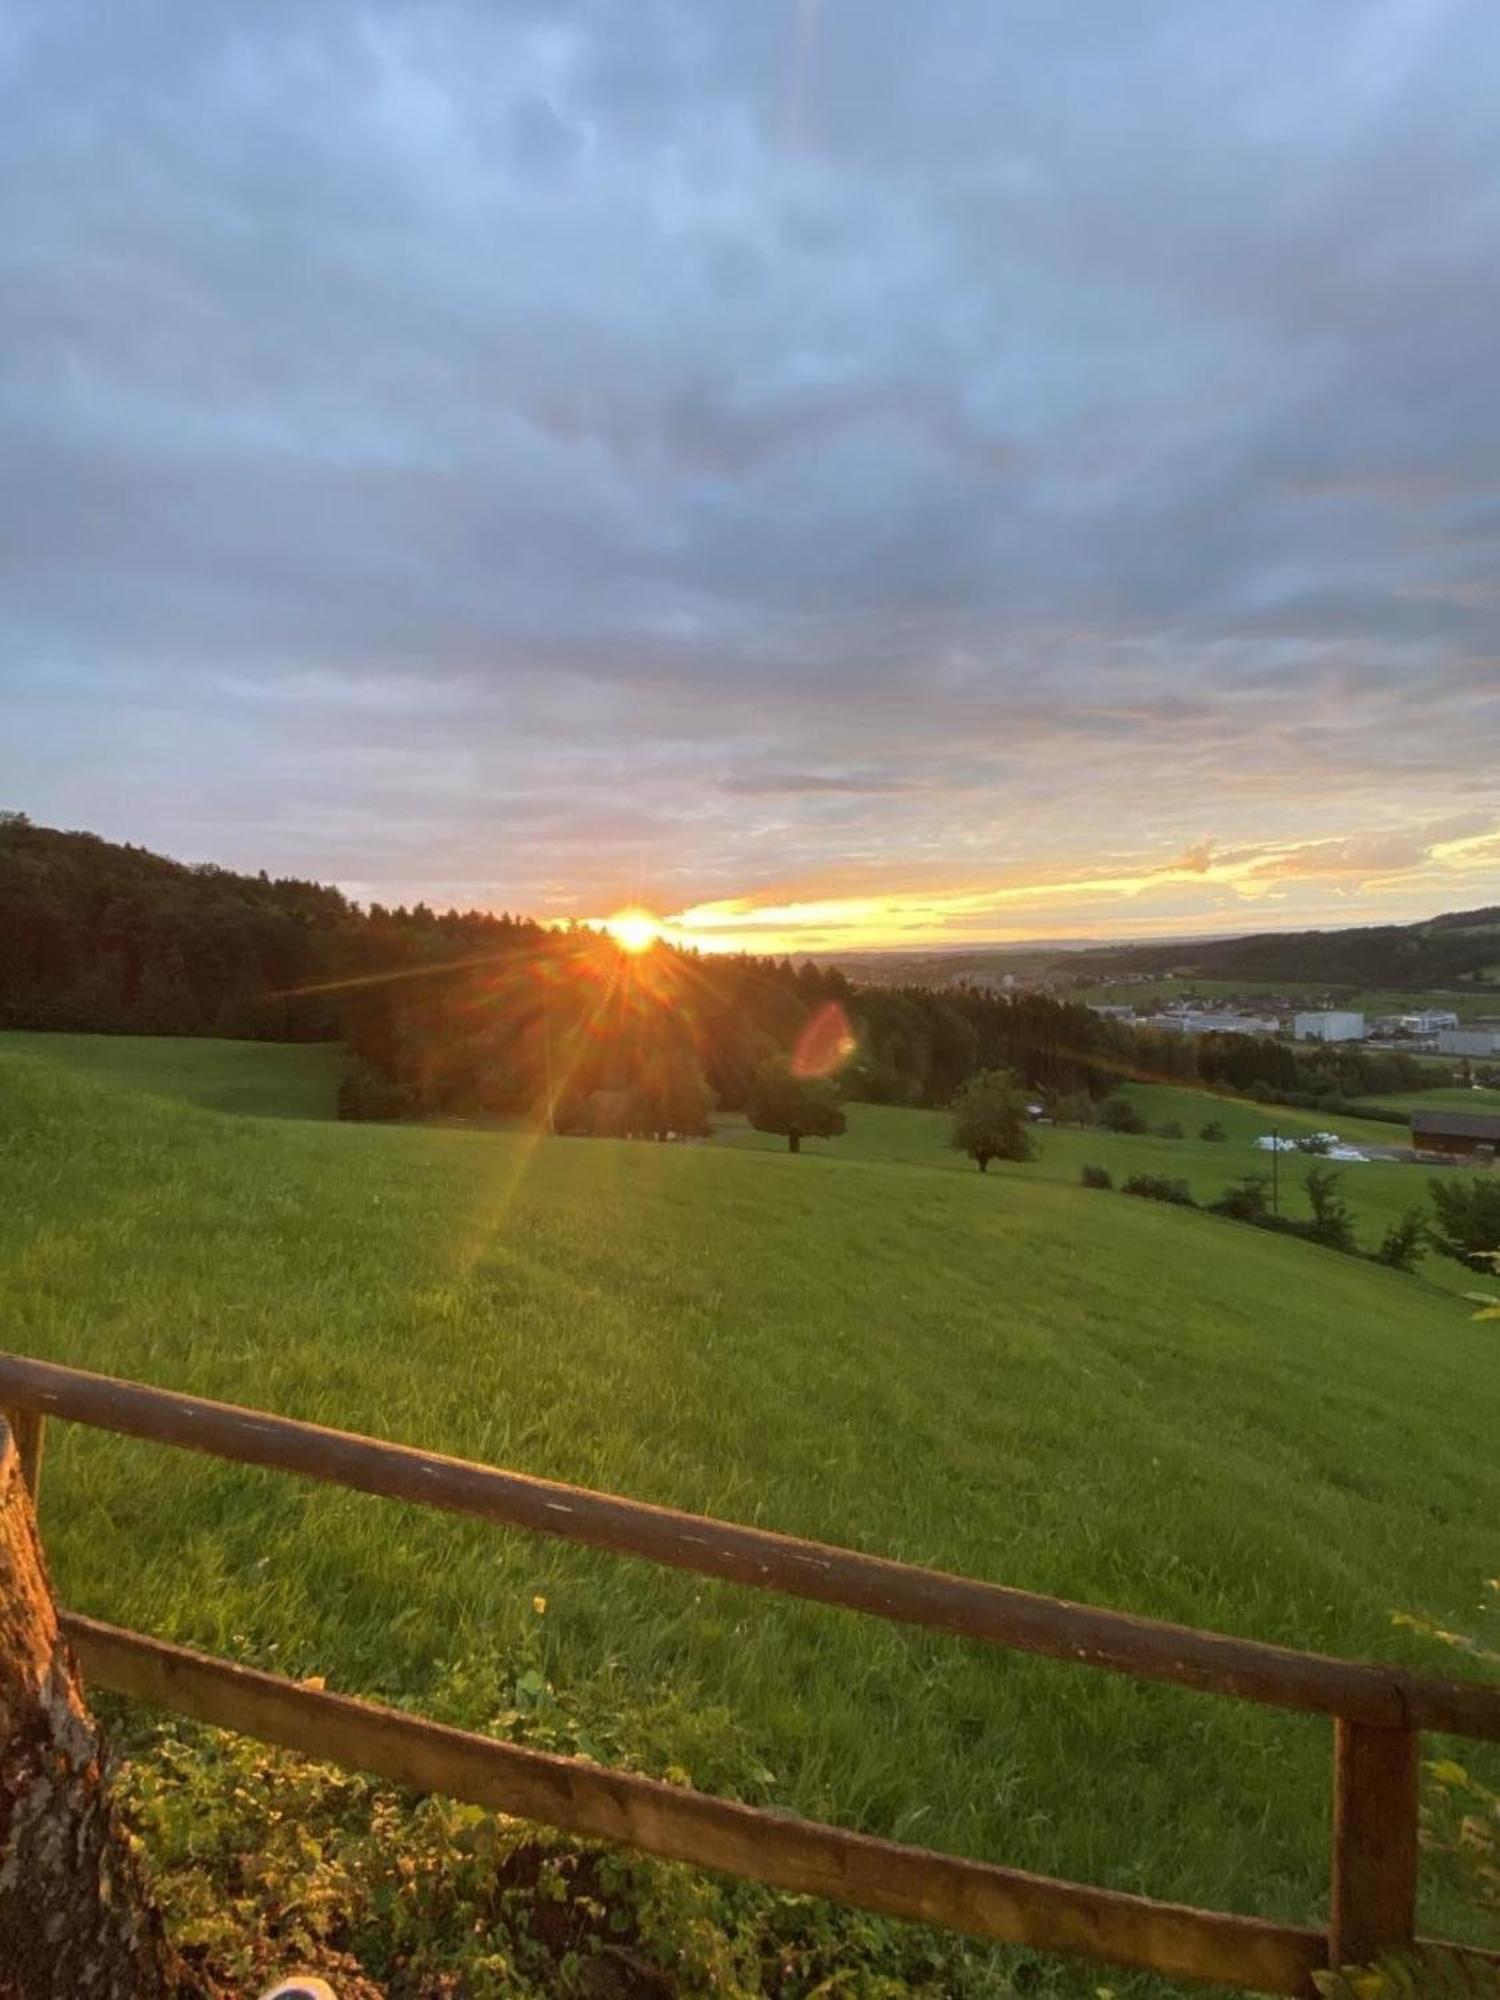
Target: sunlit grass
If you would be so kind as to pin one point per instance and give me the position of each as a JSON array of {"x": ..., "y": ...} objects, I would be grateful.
[{"x": 1007, "y": 1376}]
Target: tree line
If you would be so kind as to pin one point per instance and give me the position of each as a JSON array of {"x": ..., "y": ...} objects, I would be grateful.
[{"x": 464, "y": 1011}]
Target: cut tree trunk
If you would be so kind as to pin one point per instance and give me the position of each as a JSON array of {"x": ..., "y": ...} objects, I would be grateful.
[{"x": 76, "y": 1922}]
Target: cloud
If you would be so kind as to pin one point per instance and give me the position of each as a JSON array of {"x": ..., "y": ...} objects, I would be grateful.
[{"x": 472, "y": 449}]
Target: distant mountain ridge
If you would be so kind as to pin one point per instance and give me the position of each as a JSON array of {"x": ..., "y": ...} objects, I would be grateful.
[{"x": 1461, "y": 947}]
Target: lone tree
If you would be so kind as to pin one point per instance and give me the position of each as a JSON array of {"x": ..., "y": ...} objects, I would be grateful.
[
  {"x": 990, "y": 1120},
  {"x": 76, "y": 1922},
  {"x": 800, "y": 1107}
]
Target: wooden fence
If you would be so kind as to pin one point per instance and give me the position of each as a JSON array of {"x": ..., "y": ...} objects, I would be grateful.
[{"x": 1378, "y": 1712}]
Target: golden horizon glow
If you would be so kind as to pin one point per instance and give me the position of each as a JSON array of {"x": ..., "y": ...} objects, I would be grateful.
[{"x": 634, "y": 930}]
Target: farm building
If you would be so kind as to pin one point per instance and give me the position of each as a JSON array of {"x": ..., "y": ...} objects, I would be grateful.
[
  {"x": 1454, "y": 1132},
  {"x": 1329, "y": 1026},
  {"x": 1469, "y": 1042}
]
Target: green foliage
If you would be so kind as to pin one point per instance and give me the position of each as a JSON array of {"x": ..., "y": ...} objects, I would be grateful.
[
  {"x": 796, "y": 1107},
  {"x": 1332, "y": 1220},
  {"x": 1160, "y": 1187},
  {"x": 264, "y": 1862},
  {"x": 672, "y": 1098},
  {"x": 1096, "y": 1177},
  {"x": 1468, "y": 1217},
  {"x": 1170, "y": 1130},
  {"x": 1404, "y": 1242},
  {"x": 1072, "y": 1107},
  {"x": 1118, "y": 1114},
  {"x": 1245, "y": 1200},
  {"x": 990, "y": 1120},
  {"x": 1213, "y": 1133}
]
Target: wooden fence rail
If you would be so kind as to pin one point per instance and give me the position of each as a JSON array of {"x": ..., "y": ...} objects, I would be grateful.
[{"x": 1378, "y": 1711}]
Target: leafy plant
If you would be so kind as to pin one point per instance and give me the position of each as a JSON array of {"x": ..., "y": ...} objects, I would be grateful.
[
  {"x": 1468, "y": 1218},
  {"x": 1160, "y": 1187},
  {"x": 1096, "y": 1177},
  {"x": 1404, "y": 1242}
]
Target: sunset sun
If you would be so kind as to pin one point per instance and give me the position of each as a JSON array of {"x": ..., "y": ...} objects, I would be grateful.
[{"x": 633, "y": 930}]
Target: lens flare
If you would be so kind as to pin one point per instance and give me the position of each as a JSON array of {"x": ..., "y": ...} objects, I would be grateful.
[
  {"x": 633, "y": 930},
  {"x": 825, "y": 1044}
]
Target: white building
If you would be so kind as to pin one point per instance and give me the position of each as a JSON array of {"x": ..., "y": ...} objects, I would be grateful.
[
  {"x": 1430, "y": 1022},
  {"x": 1198, "y": 1021},
  {"x": 1468, "y": 1041},
  {"x": 1329, "y": 1026}
]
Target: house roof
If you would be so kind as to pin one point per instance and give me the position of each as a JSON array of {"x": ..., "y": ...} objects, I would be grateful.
[{"x": 1456, "y": 1125}]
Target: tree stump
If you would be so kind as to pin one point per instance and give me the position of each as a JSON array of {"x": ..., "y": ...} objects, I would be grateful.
[{"x": 76, "y": 1922}]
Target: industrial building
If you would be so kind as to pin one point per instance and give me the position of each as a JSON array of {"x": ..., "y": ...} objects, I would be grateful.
[
  {"x": 1468, "y": 1041},
  {"x": 1329, "y": 1026}
]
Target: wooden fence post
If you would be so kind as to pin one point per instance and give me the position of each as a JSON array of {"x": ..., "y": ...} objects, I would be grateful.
[
  {"x": 1374, "y": 1909},
  {"x": 27, "y": 1428}
]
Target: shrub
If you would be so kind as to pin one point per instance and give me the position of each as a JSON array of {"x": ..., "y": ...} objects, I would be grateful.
[
  {"x": 1096, "y": 1177},
  {"x": 1171, "y": 1130},
  {"x": 1214, "y": 1131},
  {"x": 1332, "y": 1222},
  {"x": 1073, "y": 1107},
  {"x": 1160, "y": 1187},
  {"x": 1118, "y": 1114},
  {"x": 1468, "y": 1224},
  {"x": 1244, "y": 1200},
  {"x": 1404, "y": 1242}
]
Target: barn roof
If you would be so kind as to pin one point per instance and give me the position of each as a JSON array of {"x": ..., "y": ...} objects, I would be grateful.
[{"x": 1456, "y": 1124}]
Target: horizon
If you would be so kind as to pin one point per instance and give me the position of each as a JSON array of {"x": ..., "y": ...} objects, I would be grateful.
[{"x": 940, "y": 488}]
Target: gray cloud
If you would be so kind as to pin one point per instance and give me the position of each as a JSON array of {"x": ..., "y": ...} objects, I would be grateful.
[{"x": 578, "y": 452}]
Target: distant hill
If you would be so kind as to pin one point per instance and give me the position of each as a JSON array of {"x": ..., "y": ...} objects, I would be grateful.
[{"x": 1459, "y": 949}]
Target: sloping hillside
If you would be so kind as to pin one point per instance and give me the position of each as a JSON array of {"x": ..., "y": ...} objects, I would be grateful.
[{"x": 1008, "y": 1376}]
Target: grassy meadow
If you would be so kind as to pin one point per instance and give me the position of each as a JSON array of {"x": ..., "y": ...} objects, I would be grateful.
[
  {"x": 1378, "y": 1191},
  {"x": 1468, "y": 1002},
  {"x": 1005, "y": 1375}
]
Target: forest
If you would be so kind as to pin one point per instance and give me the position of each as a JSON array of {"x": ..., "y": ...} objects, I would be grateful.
[{"x": 465, "y": 1012}]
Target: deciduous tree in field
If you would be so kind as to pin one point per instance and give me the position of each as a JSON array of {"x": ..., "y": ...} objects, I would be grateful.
[
  {"x": 990, "y": 1119},
  {"x": 76, "y": 1922},
  {"x": 798, "y": 1107}
]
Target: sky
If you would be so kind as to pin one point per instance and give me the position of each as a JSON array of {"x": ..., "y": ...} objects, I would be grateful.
[{"x": 832, "y": 474}]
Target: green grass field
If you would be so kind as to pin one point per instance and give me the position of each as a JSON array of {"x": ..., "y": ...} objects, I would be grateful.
[
  {"x": 1005, "y": 1375},
  {"x": 1468, "y": 1002},
  {"x": 1378, "y": 1191}
]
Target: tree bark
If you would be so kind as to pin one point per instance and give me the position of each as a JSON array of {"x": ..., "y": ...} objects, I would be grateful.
[{"x": 76, "y": 1922}]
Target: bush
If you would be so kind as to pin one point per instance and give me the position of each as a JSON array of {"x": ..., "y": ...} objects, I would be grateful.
[
  {"x": 1171, "y": 1130},
  {"x": 1096, "y": 1177},
  {"x": 1404, "y": 1242},
  {"x": 1332, "y": 1222},
  {"x": 1468, "y": 1224},
  {"x": 1118, "y": 1114},
  {"x": 1244, "y": 1200},
  {"x": 1074, "y": 1107},
  {"x": 1214, "y": 1131},
  {"x": 1160, "y": 1187}
]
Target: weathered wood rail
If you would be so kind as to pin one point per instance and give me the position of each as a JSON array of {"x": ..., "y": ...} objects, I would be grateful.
[{"x": 1378, "y": 1712}]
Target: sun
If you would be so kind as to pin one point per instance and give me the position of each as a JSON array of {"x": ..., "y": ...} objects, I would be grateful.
[{"x": 633, "y": 930}]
